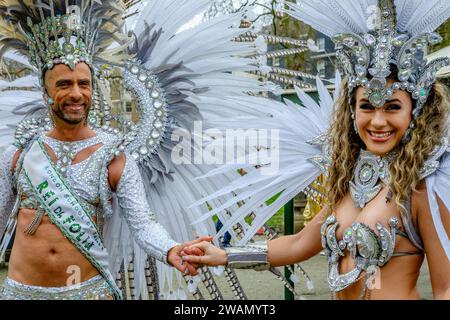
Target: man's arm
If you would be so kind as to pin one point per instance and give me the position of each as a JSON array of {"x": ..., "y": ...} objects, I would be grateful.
[
  {"x": 152, "y": 237},
  {"x": 7, "y": 195}
]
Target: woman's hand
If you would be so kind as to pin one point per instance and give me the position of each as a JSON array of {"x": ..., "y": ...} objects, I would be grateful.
[
  {"x": 212, "y": 255},
  {"x": 174, "y": 256}
]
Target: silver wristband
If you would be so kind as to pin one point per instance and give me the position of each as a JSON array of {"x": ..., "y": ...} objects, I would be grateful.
[{"x": 253, "y": 256}]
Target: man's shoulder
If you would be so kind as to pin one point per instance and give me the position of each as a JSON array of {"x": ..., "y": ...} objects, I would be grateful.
[
  {"x": 10, "y": 155},
  {"x": 108, "y": 137}
]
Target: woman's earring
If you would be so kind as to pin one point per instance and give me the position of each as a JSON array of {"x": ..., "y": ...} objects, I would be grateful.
[
  {"x": 407, "y": 135},
  {"x": 50, "y": 101},
  {"x": 355, "y": 127}
]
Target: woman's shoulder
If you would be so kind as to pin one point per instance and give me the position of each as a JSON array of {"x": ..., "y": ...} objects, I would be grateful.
[
  {"x": 420, "y": 188},
  {"x": 435, "y": 179},
  {"x": 421, "y": 203}
]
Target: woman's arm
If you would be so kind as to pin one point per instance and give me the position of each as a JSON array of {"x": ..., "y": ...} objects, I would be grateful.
[
  {"x": 282, "y": 251},
  {"x": 298, "y": 247},
  {"x": 438, "y": 262}
]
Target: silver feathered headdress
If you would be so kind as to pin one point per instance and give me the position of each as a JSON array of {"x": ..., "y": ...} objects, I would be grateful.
[
  {"x": 373, "y": 35},
  {"x": 50, "y": 32}
]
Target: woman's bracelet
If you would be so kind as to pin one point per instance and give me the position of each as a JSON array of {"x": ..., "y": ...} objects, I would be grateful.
[{"x": 252, "y": 256}]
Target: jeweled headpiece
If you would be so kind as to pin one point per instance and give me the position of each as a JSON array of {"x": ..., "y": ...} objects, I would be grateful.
[
  {"x": 59, "y": 39},
  {"x": 51, "y": 32},
  {"x": 371, "y": 36}
]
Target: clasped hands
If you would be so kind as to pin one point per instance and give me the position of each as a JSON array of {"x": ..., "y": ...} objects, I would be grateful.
[{"x": 190, "y": 256}]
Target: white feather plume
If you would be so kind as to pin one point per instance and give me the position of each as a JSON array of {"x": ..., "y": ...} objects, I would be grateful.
[
  {"x": 297, "y": 125},
  {"x": 349, "y": 16}
]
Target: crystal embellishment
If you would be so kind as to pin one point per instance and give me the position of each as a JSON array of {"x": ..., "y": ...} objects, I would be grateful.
[
  {"x": 385, "y": 44},
  {"x": 152, "y": 108},
  {"x": 370, "y": 173},
  {"x": 134, "y": 69}
]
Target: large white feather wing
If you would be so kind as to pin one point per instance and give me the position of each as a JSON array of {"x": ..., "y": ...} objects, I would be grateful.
[
  {"x": 195, "y": 73},
  {"x": 287, "y": 171},
  {"x": 438, "y": 185},
  {"x": 349, "y": 16}
]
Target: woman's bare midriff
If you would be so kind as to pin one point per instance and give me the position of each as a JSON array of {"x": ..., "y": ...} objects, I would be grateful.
[
  {"x": 398, "y": 277},
  {"x": 46, "y": 258}
]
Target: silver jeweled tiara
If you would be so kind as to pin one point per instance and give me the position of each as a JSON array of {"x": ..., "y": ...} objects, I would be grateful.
[{"x": 373, "y": 35}]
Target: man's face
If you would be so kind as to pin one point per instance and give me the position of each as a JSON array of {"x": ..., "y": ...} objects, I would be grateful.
[{"x": 71, "y": 91}]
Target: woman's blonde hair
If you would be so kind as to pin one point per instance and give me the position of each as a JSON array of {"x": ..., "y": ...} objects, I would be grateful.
[{"x": 345, "y": 146}]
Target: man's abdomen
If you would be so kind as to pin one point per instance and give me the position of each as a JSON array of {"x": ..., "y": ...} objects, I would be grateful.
[{"x": 46, "y": 258}]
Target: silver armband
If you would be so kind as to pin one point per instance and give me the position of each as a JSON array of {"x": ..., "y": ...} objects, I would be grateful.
[{"x": 253, "y": 256}]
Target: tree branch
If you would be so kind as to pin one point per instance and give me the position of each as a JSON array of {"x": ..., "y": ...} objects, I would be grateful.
[{"x": 261, "y": 15}]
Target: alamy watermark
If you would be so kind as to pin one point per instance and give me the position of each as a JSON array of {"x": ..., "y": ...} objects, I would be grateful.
[
  {"x": 74, "y": 278},
  {"x": 373, "y": 280},
  {"x": 256, "y": 147}
]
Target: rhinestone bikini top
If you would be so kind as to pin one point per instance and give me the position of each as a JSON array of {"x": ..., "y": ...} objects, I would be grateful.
[{"x": 368, "y": 249}]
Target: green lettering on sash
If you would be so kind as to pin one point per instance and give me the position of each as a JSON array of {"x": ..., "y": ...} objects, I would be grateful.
[
  {"x": 65, "y": 211},
  {"x": 80, "y": 235},
  {"x": 48, "y": 195},
  {"x": 89, "y": 245},
  {"x": 53, "y": 201},
  {"x": 69, "y": 220},
  {"x": 59, "y": 212},
  {"x": 75, "y": 228},
  {"x": 42, "y": 186}
]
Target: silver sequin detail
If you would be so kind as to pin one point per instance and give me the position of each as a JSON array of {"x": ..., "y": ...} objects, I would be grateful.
[
  {"x": 83, "y": 177},
  {"x": 147, "y": 232},
  {"x": 365, "y": 246},
  {"x": 95, "y": 288},
  {"x": 6, "y": 191}
]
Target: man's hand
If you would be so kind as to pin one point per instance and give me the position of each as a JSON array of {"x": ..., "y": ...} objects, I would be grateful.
[
  {"x": 174, "y": 256},
  {"x": 212, "y": 255}
]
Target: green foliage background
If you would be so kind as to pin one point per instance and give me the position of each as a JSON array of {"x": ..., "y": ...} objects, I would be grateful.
[{"x": 444, "y": 31}]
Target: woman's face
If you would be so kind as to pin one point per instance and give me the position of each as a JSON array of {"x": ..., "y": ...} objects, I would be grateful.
[{"x": 382, "y": 129}]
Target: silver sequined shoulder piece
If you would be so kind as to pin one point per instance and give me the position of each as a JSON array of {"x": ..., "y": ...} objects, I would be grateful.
[
  {"x": 322, "y": 160},
  {"x": 103, "y": 137},
  {"x": 84, "y": 177},
  {"x": 108, "y": 138}
]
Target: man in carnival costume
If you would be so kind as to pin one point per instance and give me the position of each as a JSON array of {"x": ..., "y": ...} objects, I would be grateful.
[
  {"x": 84, "y": 197},
  {"x": 57, "y": 179},
  {"x": 383, "y": 144},
  {"x": 71, "y": 181}
]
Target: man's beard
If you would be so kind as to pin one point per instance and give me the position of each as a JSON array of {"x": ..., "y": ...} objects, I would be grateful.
[{"x": 69, "y": 119}]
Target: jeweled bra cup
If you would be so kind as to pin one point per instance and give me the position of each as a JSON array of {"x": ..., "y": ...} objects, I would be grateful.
[{"x": 365, "y": 246}]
